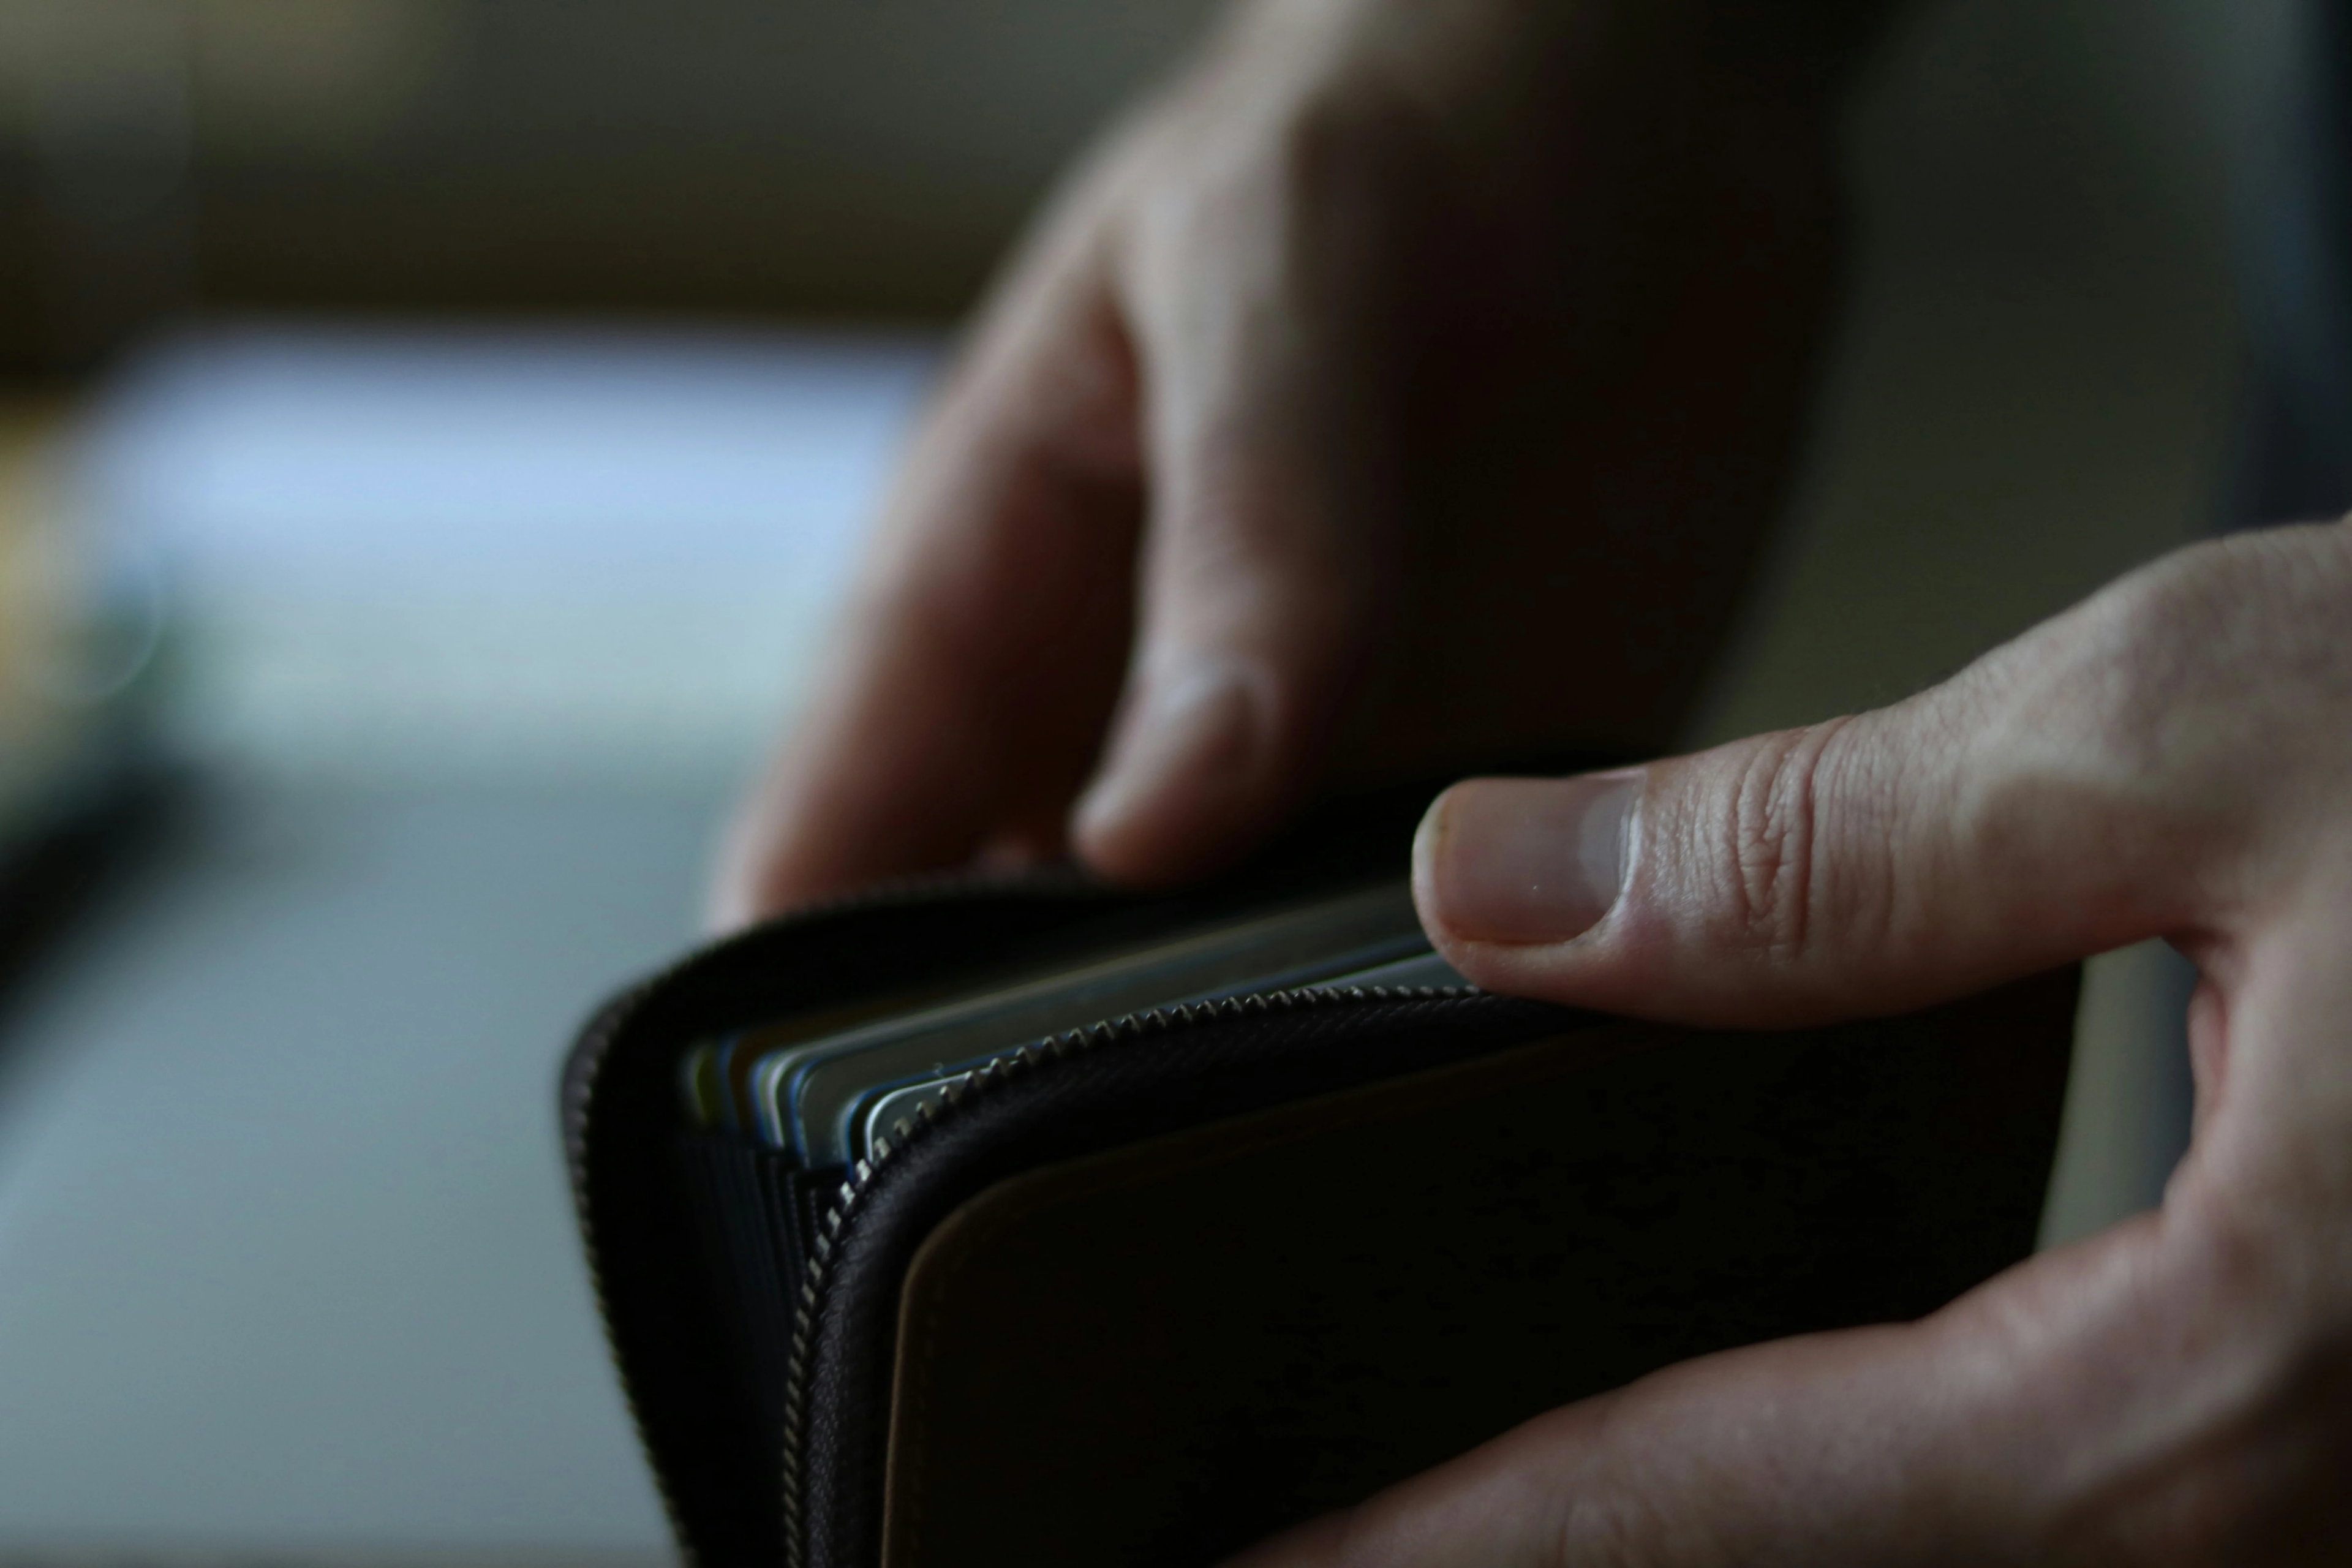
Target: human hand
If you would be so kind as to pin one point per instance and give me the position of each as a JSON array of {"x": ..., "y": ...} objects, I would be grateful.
[
  {"x": 1403, "y": 355},
  {"x": 2173, "y": 759}
]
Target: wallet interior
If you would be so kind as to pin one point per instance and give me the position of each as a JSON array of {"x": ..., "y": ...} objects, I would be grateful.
[{"x": 1147, "y": 1291}]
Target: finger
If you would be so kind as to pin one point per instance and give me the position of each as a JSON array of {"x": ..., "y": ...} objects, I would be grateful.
[
  {"x": 2065, "y": 1412},
  {"x": 2028, "y": 813},
  {"x": 1735, "y": 1458},
  {"x": 982, "y": 653},
  {"x": 1271, "y": 549}
]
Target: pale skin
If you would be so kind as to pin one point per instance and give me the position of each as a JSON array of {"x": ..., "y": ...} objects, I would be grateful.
[
  {"x": 1403, "y": 386},
  {"x": 2171, "y": 759},
  {"x": 1253, "y": 472}
]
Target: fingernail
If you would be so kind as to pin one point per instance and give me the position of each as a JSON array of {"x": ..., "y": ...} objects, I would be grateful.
[
  {"x": 1194, "y": 735},
  {"x": 1525, "y": 860}
]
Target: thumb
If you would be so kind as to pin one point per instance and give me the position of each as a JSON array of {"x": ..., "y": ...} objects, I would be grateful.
[{"x": 1983, "y": 830}]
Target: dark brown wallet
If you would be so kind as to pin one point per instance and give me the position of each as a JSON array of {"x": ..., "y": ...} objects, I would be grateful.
[{"x": 1148, "y": 1291}]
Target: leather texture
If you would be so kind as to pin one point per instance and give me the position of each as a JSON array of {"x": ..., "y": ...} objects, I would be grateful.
[
  {"x": 1200, "y": 1279},
  {"x": 680, "y": 1361},
  {"x": 1178, "y": 1073},
  {"x": 1160, "y": 1353}
]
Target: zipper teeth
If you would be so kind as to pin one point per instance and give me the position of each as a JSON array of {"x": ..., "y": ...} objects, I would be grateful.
[
  {"x": 817, "y": 1274},
  {"x": 597, "y": 1044}
]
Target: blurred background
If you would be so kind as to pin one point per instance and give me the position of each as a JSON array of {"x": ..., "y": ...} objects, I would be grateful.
[{"x": 432, "y": 437}]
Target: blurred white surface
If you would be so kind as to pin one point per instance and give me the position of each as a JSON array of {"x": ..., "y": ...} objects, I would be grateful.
[
  {"x": 287, "y": 1259},
  {"x": 451, "y": 553},
  {"x": 474, "y": 632}
]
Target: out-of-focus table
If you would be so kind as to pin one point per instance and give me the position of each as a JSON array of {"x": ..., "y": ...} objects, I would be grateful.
[
  {"x": 286, "y": 1262},
  {"x": 472, "y": 635}
]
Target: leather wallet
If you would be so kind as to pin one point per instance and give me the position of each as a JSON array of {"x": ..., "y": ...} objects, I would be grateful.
[{"x": 1148, "y": 1287}]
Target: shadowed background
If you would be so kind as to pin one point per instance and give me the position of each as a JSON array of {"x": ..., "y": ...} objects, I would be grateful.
[{"x": 470, "y": 407}]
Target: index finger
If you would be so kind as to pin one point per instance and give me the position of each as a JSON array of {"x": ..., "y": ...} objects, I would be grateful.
[{"x": 965, "y": 697}]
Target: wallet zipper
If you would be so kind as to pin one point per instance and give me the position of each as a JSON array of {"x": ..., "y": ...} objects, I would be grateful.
[
  {"x": 622, "y": 1011},
  {"x": 1036, "y": 1057}
]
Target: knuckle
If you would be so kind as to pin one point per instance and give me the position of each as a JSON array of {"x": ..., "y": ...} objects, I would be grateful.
[
  {"x": 2199, "y": 673},
  {"x": 2142, "y": 660},
  {"x": 1769, "y": 846},
  {"x": 1334, "y": 142},
  {"x": 1775, "y": 881},
  {"x": 1599, "y": 1531},
  {"x": 1349, "y": 172},
  {"x": 1286, "y": 189}
]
